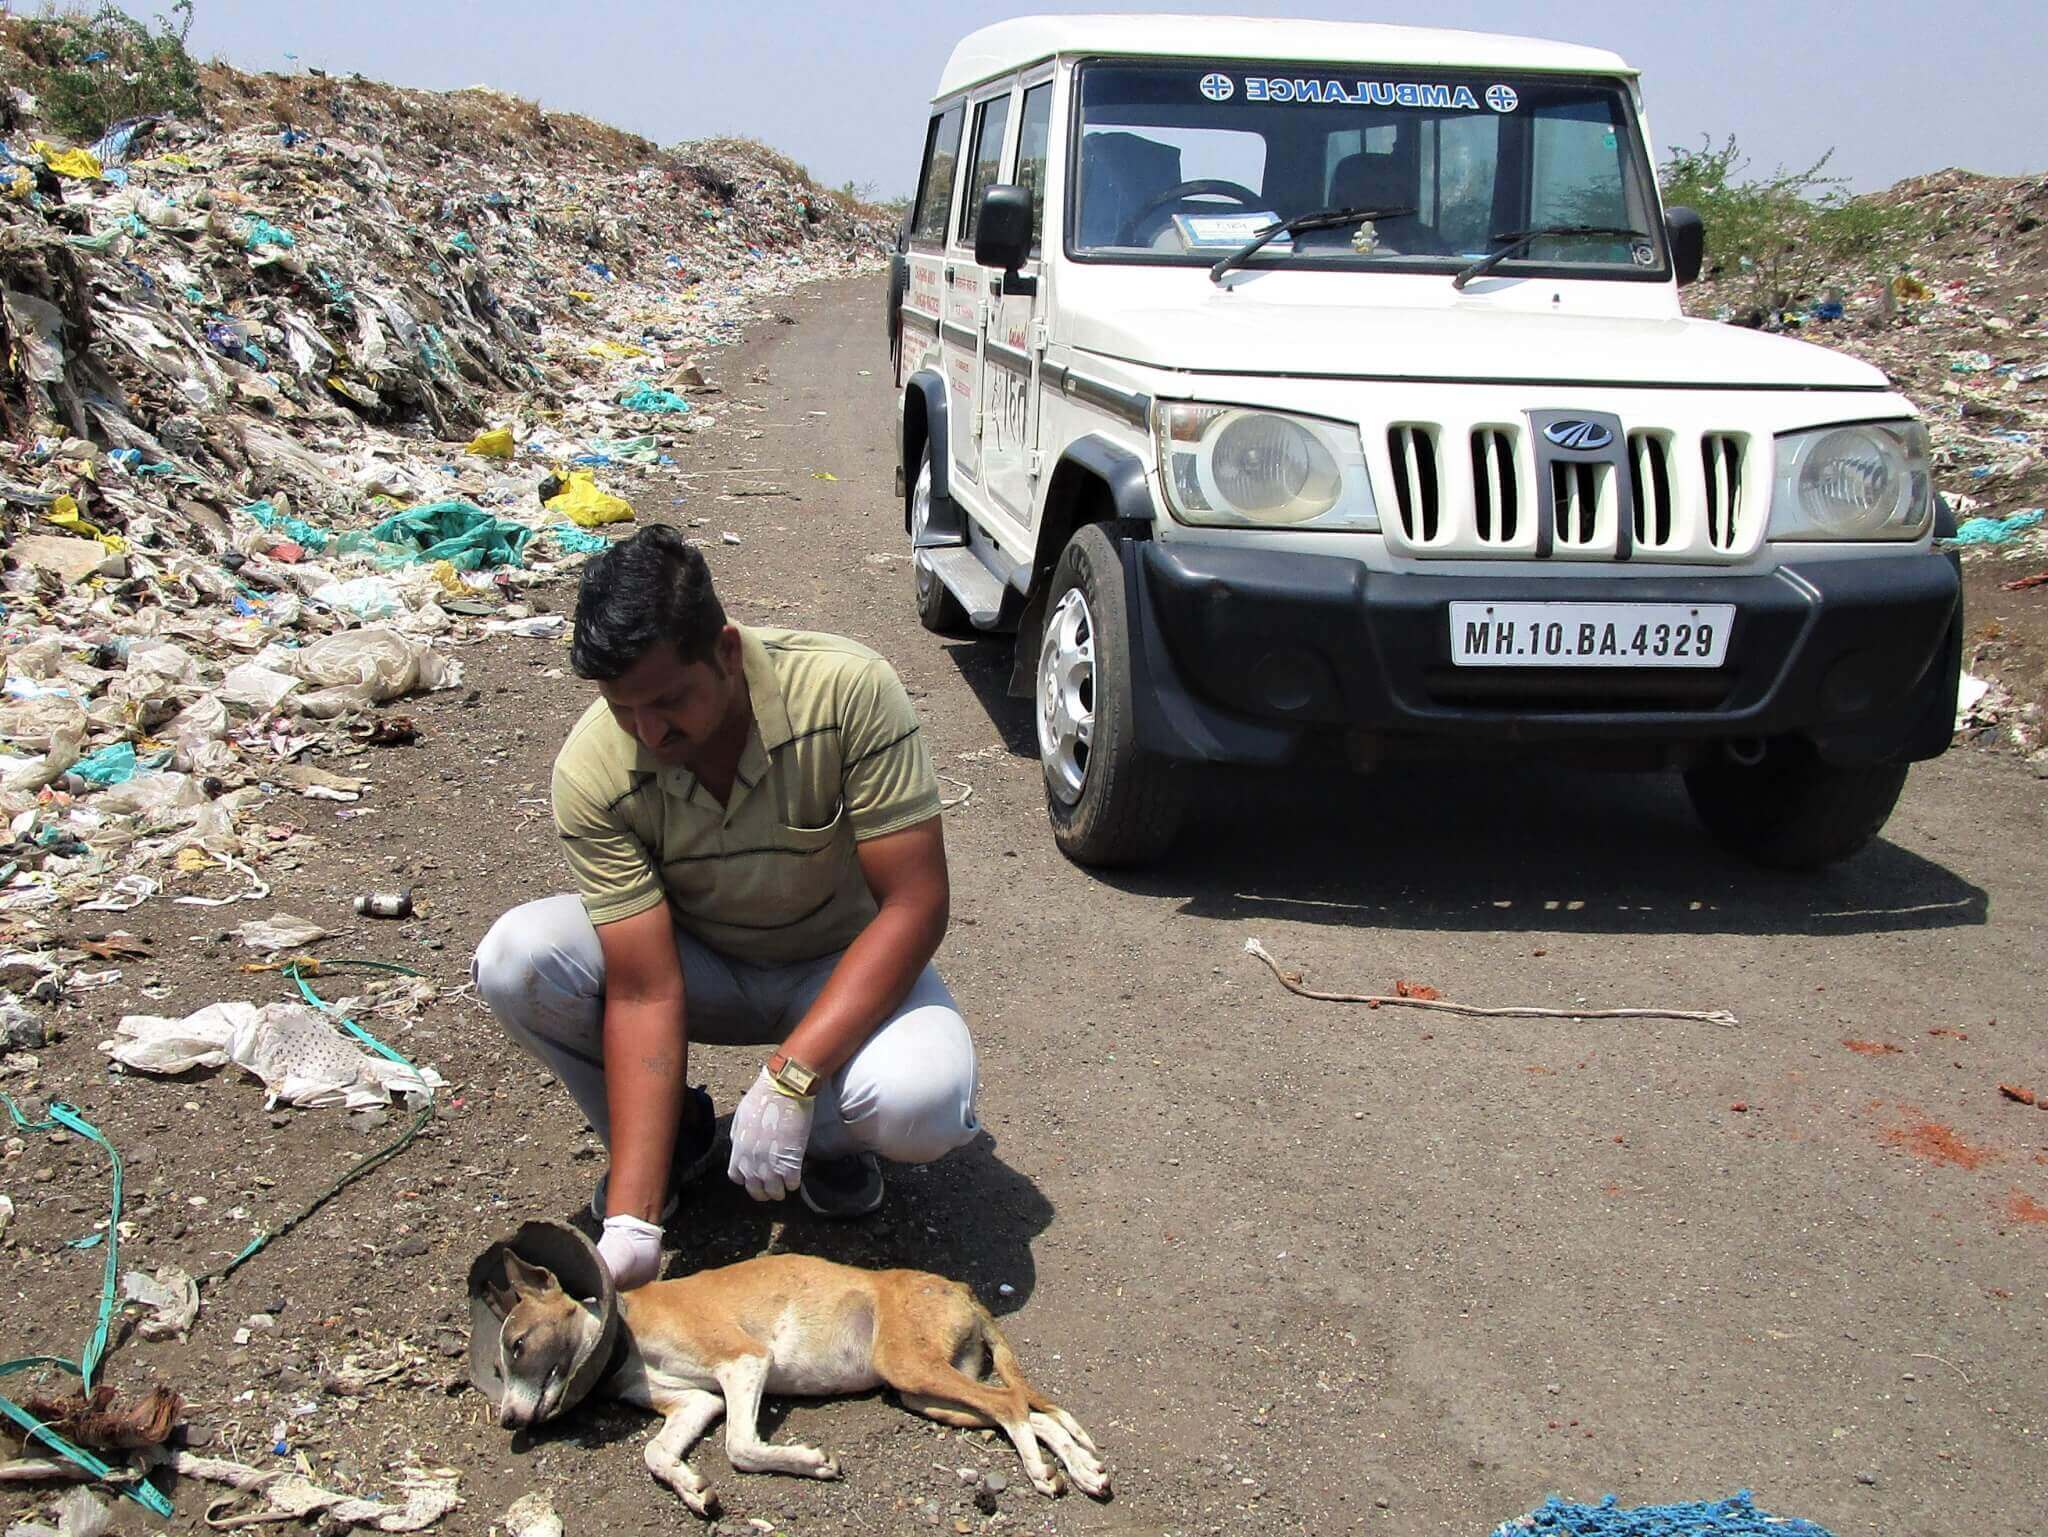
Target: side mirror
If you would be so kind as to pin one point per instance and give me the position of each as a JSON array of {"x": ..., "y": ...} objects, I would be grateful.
[
  {"x": 1002, "y": 228},
  {"x": 1688, "y": 235}
]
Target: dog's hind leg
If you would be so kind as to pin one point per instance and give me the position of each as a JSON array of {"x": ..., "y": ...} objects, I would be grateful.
[
  {"x": 1060, "y": 1431},
  {"x": 921, "y": 1371},
  {"x": 689, "y": 1413},
  {"x": 742, "y": 1379},
  {"x": 1076, "y": 1452}
]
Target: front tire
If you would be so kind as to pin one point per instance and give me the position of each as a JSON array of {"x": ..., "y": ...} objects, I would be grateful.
[
  {"x": 1110, "y": 801},
  {"x": 937, "y": 609},
  {"x": 1791, "y": 810}
]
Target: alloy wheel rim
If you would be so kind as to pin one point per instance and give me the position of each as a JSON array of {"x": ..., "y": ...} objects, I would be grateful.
[
  {"x": 1066, "y": 696},
  {"x": 920, "y": 520}
]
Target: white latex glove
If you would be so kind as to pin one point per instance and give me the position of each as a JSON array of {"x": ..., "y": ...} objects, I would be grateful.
[
  {"x": 770, "y": 1131},
  {"x": 631, "y": 1251}
]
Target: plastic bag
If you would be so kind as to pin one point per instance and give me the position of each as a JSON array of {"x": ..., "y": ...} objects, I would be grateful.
[
  {"x": 465, "y": 536},
  {"x": 645, "y": 398},
  {"x": 150, "y": 795},
  {"x": 78, "y": 164},
  {"x": 380, "y": 661},
  {"x": 584, "y": 504},
  {"x": 300, "y": 1057},
  {"x": 367, "y": 597},
  {"x": 495, "y": 444},
  {"x": 280, "y": 931},
  {"x": 256, "y": 687}
]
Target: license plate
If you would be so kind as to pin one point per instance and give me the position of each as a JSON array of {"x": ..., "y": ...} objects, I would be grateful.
[{"x": 1590, "y": 634}]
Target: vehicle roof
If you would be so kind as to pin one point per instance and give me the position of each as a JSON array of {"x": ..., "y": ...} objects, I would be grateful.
[{"x": 1009, "y": 45}]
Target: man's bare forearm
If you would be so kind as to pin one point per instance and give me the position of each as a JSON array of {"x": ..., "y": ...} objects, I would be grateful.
[{"x": 646, "y": 1067}]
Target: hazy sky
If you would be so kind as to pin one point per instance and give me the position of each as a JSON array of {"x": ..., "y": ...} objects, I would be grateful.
[{"x": 1895, "y": 87}]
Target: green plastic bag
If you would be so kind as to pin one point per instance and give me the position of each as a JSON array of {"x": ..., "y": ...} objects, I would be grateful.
[{"x": 467, "y": 537}]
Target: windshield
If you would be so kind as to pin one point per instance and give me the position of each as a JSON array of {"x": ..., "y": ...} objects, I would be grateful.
[{"x": 1186, "y": 162}]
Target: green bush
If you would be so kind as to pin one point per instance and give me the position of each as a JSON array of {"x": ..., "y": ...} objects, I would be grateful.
[
  {"x": 95, "y": 70},
  {"x": 1785, "y": 233}
]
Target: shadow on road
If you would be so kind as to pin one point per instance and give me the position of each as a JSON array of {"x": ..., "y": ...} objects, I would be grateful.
[{"x": 1505, "y": 846}]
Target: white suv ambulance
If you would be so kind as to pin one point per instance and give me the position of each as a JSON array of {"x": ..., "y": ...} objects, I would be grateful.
[{"x": 1286, "y": 382}]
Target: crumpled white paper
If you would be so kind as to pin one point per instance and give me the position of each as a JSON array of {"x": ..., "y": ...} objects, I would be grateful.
[{"x": 301, "y": 1058}]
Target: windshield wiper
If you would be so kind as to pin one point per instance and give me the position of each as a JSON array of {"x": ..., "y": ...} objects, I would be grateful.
[
  {"x": 1514, "y": 242},
  {"x": 1321, "y": 218}
]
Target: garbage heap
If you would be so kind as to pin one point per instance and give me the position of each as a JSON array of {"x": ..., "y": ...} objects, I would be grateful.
[
  {"x": 1956, "y": 319},
  {"x": 295, "y": 400}
]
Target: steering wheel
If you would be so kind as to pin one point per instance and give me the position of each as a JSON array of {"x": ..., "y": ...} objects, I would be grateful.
[{"x": 1180, "y": 193}]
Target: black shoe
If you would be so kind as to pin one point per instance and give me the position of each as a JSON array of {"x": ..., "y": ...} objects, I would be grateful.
[
  {"x": 842, "y": 1187},
  {"x": 696, "y": 1146}
]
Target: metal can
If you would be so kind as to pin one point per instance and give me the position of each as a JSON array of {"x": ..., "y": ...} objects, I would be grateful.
[{"x": 385, "y": 904}]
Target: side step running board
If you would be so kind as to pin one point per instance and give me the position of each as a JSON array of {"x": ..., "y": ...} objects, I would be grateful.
[{"x": 967, "y": 579}]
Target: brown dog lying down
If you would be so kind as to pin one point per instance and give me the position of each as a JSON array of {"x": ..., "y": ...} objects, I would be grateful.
[{"x": 714, "y": 1342}]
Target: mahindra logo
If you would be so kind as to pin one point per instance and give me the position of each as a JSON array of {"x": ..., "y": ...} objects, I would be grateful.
[{"x": 1584, "y": 436}]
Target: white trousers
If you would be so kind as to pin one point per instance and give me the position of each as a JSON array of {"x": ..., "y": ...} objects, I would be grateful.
[{"x": 906, "y": 1095}]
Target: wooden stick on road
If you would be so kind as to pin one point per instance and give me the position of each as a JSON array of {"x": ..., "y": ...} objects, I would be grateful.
[{"x": 1292, "y": 982}]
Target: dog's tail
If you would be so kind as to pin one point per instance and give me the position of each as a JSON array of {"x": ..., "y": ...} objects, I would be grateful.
[{"x": 1006, "y": 1364}]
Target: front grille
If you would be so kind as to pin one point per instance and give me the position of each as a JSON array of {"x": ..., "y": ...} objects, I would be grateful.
[
  {"x": 1496, "y": 502},
  {"x": 1416, "y": 483},
  {"x": 1576, "y": 492},
  {"x": 1649, "y": 457},
  {"x": 1721, "y": 466}
]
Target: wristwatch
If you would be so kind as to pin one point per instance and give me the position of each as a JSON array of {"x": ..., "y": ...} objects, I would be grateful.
[{"x": 791, "y": 1076}]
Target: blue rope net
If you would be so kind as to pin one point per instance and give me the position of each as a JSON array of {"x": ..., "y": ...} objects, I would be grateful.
[{"x": 1736, "y": 1516}]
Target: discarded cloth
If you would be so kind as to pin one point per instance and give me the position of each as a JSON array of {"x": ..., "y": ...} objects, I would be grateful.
[{"x": 301, "y": 1058}]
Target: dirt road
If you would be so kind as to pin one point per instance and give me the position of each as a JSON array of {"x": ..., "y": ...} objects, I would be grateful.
[{"x": 1302, "y": 1268}]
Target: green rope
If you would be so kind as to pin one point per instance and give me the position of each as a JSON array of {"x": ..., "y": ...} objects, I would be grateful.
[{"x": 64, "y": 1117}]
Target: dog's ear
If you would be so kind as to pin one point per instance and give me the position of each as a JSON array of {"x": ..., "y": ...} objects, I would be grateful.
[
  {"x": 502, "y": 1299},
  {"x": 528, "y": 1280}
]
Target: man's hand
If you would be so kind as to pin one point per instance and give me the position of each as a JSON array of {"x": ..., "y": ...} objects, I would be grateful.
[
  {"x": 770, "y": 1131},
  {"x": 631, "y": 1251}
]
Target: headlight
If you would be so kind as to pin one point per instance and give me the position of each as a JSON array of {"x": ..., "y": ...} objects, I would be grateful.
[
  {"x": 1235, "y": 467},
  {"x": 1865, "y": 482}
]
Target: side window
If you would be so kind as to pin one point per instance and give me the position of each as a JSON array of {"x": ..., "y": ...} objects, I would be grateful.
[
  {"x": 991, "y": 118},
  {"x": 1032, "y": 133},
  {"x": 935, "y": 185}
]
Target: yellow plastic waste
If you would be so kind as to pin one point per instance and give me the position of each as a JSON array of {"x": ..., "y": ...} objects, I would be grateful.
[
  {"x": 64, "y": 513},
  {"x": 20, "y": 183},
  {"x": 78, "y": 164},
  {"x": 586, "y": 505},
  {"x": 443, "y": 573},
  {"x": 618, "y": 352},
  {"x": 495, "y": 444},
  {"x": 1908, "y": 289},
  {"x": 587, "y": 298},
  {"x": 193, "y": 861},
  {"x": 823, "y": 475}
]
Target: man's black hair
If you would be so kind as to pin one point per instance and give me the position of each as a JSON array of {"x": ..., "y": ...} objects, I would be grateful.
[{"x": 646, "y": 591}]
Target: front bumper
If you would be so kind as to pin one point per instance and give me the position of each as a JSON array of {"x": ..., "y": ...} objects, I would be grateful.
[{"x": 1239, "y": 653}]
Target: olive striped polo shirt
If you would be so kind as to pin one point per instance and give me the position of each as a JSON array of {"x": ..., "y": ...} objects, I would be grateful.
[{"x": 834, "y": 756}]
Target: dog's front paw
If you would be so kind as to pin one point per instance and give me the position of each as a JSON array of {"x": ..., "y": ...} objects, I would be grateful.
[
  {"x": 828, "y": 1467},
  {"x": 1050, "y": 1484}
]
